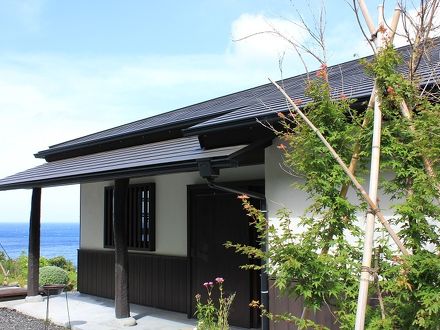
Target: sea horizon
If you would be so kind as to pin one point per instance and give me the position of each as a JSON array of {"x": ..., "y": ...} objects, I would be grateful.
[{"x": 57, "y": 239}]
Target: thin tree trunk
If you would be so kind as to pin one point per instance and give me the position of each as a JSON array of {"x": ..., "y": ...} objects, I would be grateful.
[
  {"x": 427, "y": 163},
  {"x": 352, "y": 168},
  {"x": 357, "y": 147}
]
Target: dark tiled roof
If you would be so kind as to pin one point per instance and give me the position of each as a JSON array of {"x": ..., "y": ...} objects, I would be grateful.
[
  {"x": 197, "y": 112},
  {"x": 348, "y": 78},
  {"x": 165, "y": 156},
  {"x": 244, "y": 106}
]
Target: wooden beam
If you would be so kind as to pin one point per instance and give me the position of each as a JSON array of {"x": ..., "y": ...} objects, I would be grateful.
[
  {"x": 34, "y": 244},
  {"x": 122, "y": 307}
]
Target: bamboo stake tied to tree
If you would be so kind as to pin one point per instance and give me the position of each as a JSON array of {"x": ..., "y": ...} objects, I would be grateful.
[
  {"x": 353, "y": 179},
  {"x": 378, "y": 41}
]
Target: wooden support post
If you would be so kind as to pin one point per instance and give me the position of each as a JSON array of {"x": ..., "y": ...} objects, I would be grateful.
[
  {"x": 34, "y": 246},
  {"x": 122, "y": 306}
]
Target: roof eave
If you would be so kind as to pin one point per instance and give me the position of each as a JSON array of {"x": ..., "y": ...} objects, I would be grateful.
[
  {"x": 231, "y": 124},
  {"x": 186, "y": 166},
  {"x": 53, "y": 150},
  {"x": 176, "y": 127}
]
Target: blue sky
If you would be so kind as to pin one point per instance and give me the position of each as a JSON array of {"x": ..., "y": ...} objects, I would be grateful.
[{"x": 69, "y": 68}]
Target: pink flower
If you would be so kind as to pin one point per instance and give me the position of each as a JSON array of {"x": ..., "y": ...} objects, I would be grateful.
[
  {"x": 219, "y": 280},
  {"x": 322, "y": 72},
  {"x": 205, "y": 284},
  {"x": 281, "y": 147},
  {"x": 211, "y": 284}
]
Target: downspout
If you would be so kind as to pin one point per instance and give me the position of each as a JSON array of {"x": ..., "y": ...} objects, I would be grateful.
[{"x": 264, "y": 282}]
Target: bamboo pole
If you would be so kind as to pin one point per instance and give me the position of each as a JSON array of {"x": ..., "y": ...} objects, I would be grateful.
[
  {"x": 372, "y": 192},
  {"x": 356, "y": 150},
  {"x": 367, "y": 17},
  {"x": 353, "y": 179},
  {"x": 394, "y": 23},
  {"x": 369, "y": 227}
]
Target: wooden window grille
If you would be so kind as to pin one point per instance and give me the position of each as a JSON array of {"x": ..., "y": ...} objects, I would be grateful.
[{"x": 140, "y": 218}]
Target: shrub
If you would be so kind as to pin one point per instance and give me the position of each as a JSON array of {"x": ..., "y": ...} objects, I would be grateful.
[
  {"x": 62, "y": 262},
  {"x": 53, "y": 275}
]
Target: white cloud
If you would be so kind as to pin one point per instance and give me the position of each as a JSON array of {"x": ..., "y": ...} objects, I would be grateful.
[
  {"x": 258, "y": 36},
  {"x": 343, "y": 43},
  {"x": 405, "y": 25}
]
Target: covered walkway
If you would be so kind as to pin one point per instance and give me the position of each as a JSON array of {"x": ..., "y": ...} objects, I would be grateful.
[{"x": 94, "y": 313}]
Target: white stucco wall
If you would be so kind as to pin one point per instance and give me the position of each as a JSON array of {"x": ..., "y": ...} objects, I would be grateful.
[
  {"x": 171, "y": 207},
  {"x": 92, "y": 215},
  {"x": 280, "y": 191}
]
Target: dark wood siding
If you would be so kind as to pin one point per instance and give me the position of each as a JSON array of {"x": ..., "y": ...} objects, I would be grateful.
[
  {"x": 279, "y": 304},
  {"x": 154, "y": 280}
]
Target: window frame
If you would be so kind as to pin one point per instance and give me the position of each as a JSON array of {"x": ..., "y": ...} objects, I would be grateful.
[{"x": 138, "y": 207}]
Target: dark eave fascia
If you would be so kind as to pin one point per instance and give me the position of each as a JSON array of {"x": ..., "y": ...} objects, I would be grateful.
[
  {"x": 109, "y": 144},
  {"x": 53, "y": 150},
  {"x": 257, "y": 146},
  {"x": 231, "y": 124},
  {"x": 186, "y": 166},
  {"x": 177, "y": 128}
]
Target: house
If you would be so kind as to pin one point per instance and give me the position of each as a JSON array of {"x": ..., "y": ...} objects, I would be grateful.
[{"x": 170, "y": 183}]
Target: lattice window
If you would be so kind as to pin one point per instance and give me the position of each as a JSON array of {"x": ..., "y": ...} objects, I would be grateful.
[{"x": 140, "y": 218}]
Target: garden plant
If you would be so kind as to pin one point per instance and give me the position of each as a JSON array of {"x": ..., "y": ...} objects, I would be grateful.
[
  {"x": 53, "y": 275},
  {"x": 213, "y": 315},
  {"x": 16, "y": 269}
]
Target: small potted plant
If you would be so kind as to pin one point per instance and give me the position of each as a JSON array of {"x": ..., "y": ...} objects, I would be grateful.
[{"x": 53, "y": 279}]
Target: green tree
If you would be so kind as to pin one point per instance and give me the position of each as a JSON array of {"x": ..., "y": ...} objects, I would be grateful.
[{"x": 321, "y": 262}]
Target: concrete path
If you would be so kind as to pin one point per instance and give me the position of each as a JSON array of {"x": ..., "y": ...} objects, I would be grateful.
[{"x": 93, "y": 313}]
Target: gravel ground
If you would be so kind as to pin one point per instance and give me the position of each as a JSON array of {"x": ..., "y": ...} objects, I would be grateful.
[{"x": 10, "y": 319}]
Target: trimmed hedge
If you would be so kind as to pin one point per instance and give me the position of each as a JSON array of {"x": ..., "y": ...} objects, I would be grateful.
[{"x": 53, "y": 275}]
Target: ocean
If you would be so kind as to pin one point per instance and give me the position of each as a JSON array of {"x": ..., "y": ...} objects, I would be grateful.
[{"x": 57, "y": 239}]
